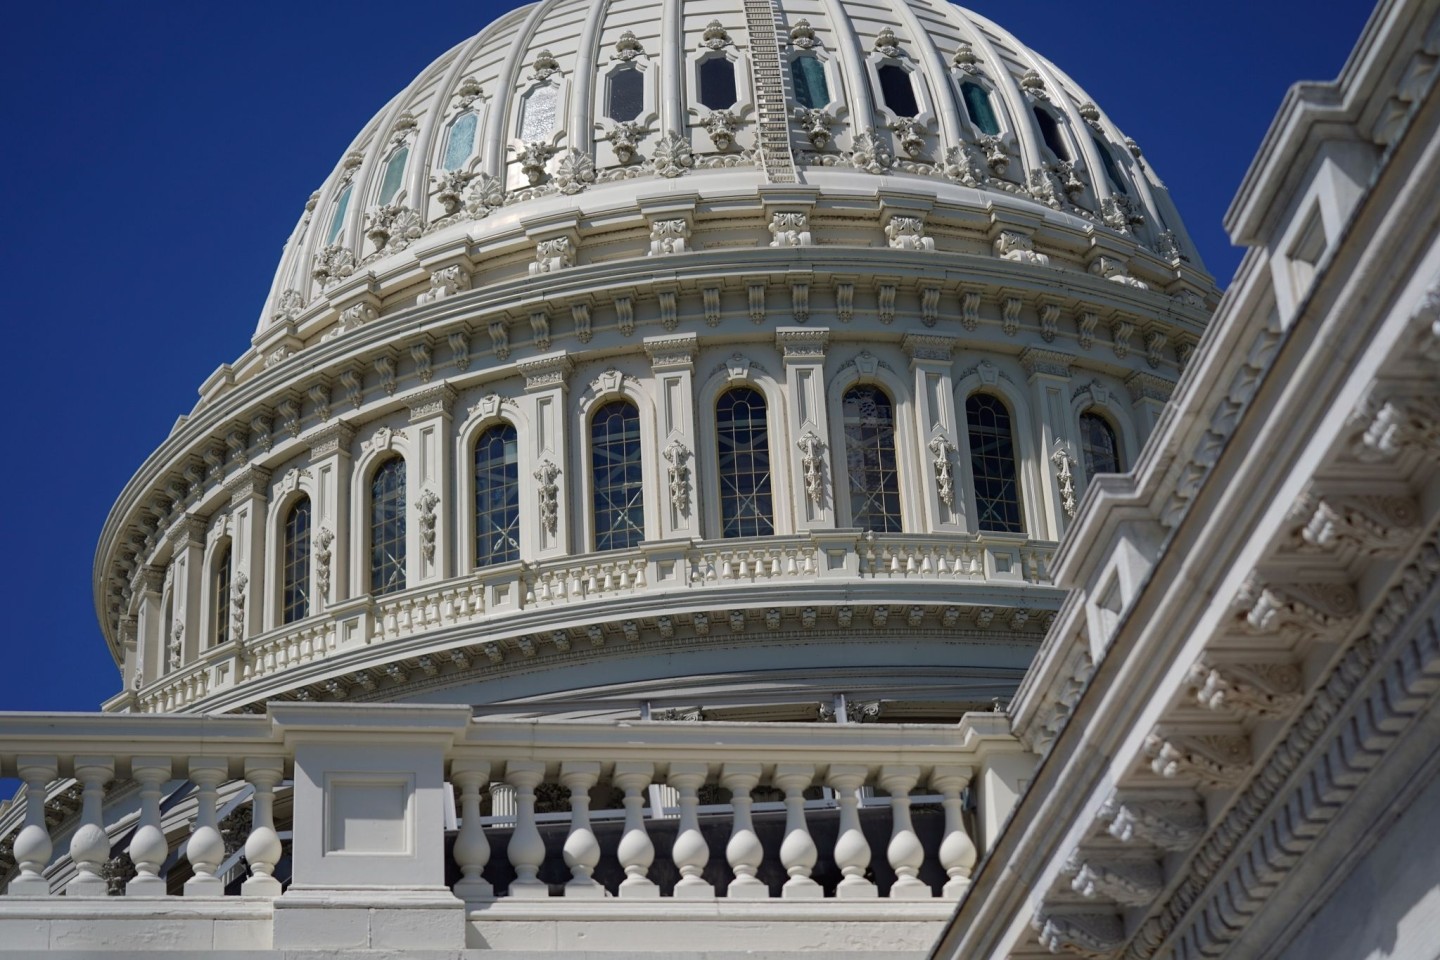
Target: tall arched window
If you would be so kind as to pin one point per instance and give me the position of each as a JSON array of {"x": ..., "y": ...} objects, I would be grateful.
[
  {"x": 992, "y": 464},
  {"x": 870, "y": 460},
  {"x": 615, "y": 466},
  {"x": 979, "y": 108},
  {"x": 295, "y": 564},
  {"x": 1098, "y": 446},
  {"x": 220, "y": 591},
  {"x": 746, "y": 503},
  {"x": 387, "y": 528},
  {"x": 394, "y": 177},
  {"x": 497, "y": 496}
]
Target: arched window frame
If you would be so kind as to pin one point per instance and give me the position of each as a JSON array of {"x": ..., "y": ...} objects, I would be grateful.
[
  {"x": 649, "y": 110},
  {"x": 402, "y": 192},
  {"x": 997, "y": 106},
  {"x": 494, "y": 410},
  {"x": 822, "y": 57},
  {"x": 215, "y": 605},
  {"x": 878, "y": 372},
  {"x": 1063, "y": 131},
  {"x": 1101, "y": 398},
  {"x": 1103, "y": 417},
  {"x": 372, "y": 574},
  {"x": 386, "y": 443},
  {"x": 478, "y": 108},
  {"x": 291, "y": 485},
  {"x": 924, "y": 96},
  {"x": 999, "y": 379},
  {"x": 1023, "y": 495},
  {"x": 746, "y": 374},
  {"x": 471, "y": 504},
  {"x": 744, "y": 96},
  {"x": 615, "y": 385},
  {"x": 515, "y": 177}
]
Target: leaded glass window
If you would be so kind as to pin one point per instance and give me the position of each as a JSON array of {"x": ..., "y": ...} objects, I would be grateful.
[
  {"x": 461, "y": 141},
  {"x": 497, "y": 496},
  {"x": 1098, "y": 446},
  {"x": 979, "y": 108},
  {"x": 1112, "y": 172},
  {"x": 295, "y": 564},
  {"x": 537, "y": 113},
  {"x": 615, "y": 465},
  {"x": 898, "y": 90},
  {"x": 1050, "y": 132},
  {"x": 627, "y": 94},
  {"x": 992, "y": 464},
  {"x": 387, "y": 528},
  {"x": 220, "y": 587},
  {"x": 337, "y": 220},
  {"x": 870, "y": 461},
  {"x": 746, "y": 502},
  {"x": 394, "y": 177},
  {"x": 808, "y": 77},
  {"x": 717, "y": 83}
]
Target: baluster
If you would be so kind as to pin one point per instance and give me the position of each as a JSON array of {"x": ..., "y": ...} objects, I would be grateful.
[
  {"x": 624, "y": 576},
  {"x": 591, "y": 583},
  {"x": 957, "y": 850},
  {"x": 472, "y": 850},
  {"x": 942, "y": 563},
  {"x": 33, "y": 845},
  {"x": 262, "y": 847},
  {"x": 640, "y": 581},
  {"x": 148, "y": 847},
  {"x": 905, "y": 852},
  {"x": 206, "y": 848},
  {"x": 852, "y": 852},
  {"x": 894, "y": 555},
  {"x": 797, "y": 852},
  {"x": 635, "y": 852},
  {"x": 527, "y": 849},
  {"x": 744, "y": 573},
  {"x": 609, "y": 577},
  {"x": 582, "y": 850},
  {"x": 724, "y": 566},
  {"x": 909, "y": 561},
  {"x": 790, "y": 568},
  {"x": 90, "y": 844},
  {"x": 744, "y": 851},
  {"x": 690, "y": 853},
  {"x": 927, "y": 561}
]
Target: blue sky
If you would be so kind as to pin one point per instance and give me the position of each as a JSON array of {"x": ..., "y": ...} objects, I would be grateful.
[{"x": 158, "y": 154}]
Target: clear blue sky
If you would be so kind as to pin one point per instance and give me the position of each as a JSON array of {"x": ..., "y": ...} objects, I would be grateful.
[{"x": 158, "y": 154}]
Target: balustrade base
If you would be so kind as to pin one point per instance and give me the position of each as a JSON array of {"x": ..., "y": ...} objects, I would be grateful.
[
  {"x": 27, "y": 887},
  {"x": 423, "y": 918}
]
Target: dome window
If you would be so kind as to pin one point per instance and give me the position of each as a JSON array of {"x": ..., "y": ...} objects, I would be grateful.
[
  {"x": 979, "y": 108},
  {"x": 717, "y": 83},
  {"x": 1050, "y": 132},
  {"x": 1112, "y": 172},
  {"x": 627, "y": 95},
  {"x": 992, "y": 465},
  {"x": 870, "y": 461},
  {"x": 295, "y": 564},
  {"x": 461, "y": 141},
  {"x": 746, "y": 501},
  {"x": 1098, "y": 446},
  {"x": 538, "y": 112},
  {"x": 497, "y": 496},
  {"x": 898, "y": 90},
  {"x": 220, "y": 592},
  {"x": 807, "y": 75},
  {"x": 617, "y": 472},
  {"x": 387, "y": 528},
  {"x": 394, "y": 177},
  {"x": 337, "y": 220}
]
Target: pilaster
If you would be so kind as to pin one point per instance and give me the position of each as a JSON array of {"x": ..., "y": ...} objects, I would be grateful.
[
  {"x": 187, "y": 560},
  {"x": 430, "y": 492},
  {"x": 672, "y": 359},
  {"x": 1049, "y": 380},
  {"x": 803, "y": 351},
  {"x": 936, "y": 431},
  {"x": 544, "y": 515},
  {"x": 247, "y": 572},
  {"x": 150, "y": 631},
  {"x": 330, "y": 468}
]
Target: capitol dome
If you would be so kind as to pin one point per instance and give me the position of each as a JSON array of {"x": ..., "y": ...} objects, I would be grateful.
[{"x": 737, "y": 358}]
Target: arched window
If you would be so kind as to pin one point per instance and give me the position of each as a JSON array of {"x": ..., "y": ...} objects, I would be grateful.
[
  {"x": 807, "y": 75},
  {"x": 220, "y": 591},
  {"x": 615, "y": 466},
  {"x": 394, "y": 177},
  {"x": 746, "y": 502},
  {"x": 717, "y": 83},
  {"x": 537, "y": 113},
  {"x": 898, "y": 90},
  {"x": 461, "y": 141},
  {"x": 979, "y": 108},
  {"x": 497, "y": 496},
  {"x": 1112, "y": 172},
  {"x": 1050, "y": 131},
  {"x": 870, "y": 461},
  {"x": 627, "y": 95},
  {"x": 337, "y": 220},
  {"x": 295, "y": 564},
  {"x": 1098, "y": 446},
  {"x": 387, "y": 528},
  {"x": 992, "y": 464}
]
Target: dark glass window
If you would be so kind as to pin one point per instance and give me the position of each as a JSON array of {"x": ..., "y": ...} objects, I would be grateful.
[
  {"x": 497, "y": 496},
  {"x": 387, "y": 528},
  {"x": 221, "y": 587},
  {"x": 979, "y": 108},
  {"x": 746, "y": 504},
  {"x": 992, "y": 463},
  {"x": 870, "y": 461},
  {"x": 717, "y": 83},
  {"x": 295, "y": 571},
  {"x": 1098, "y": 446},
  {"x": 619, "y": 484},
  {"x": 808, "y": 76},
  {"x": 898, "y": 91},
  {"x": 1112, "y": 172},
  {"x": 627, "y": 94},
  {"x": 1050, "y": 131}
]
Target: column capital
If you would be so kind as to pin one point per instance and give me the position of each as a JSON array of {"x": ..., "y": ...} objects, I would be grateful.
[
  {"x": 1049, "y": 363},
  {"x": 545, "y": 373},
  {"x": 333, "y": 437},
  {"x": 925, "y": 346},
  {"x": 252, "y": 482},
  {"x": 802, "y": 343},
  {"x": 431, "y": 402},
  {"x": 671, "y": 352}
]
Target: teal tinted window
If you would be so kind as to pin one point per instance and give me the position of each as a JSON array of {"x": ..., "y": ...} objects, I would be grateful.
[
  {"x": 977, "y": 105},
  {"x": 461, "y": 142},
  {"x": 337, "y": 221},
  {"x": 627, "y": 95},
  {"x": 808, "y": 76},
  {"x": 394, "y": 175},
  {"x": 1050, "y": 131},
  {"x": 1112, "y": 172}
]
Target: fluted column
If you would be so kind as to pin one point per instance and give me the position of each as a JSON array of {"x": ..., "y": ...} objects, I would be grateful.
[
  {"x": 691, "y": 853},
  {"x": 582, "y": 849},
  {"x": 527, "y": 849},
  {"x": 33, "y": 845},
  {"x": 744, "y": 851},
  {"x": 206, "y": 848},
  {"x": 472, "y": 850},
  {"x": 262, "y": 847},
  {"x": 797, "y": 851},
  {"x": 635, "y": 852},
  {"x": 90, "y": 844},
  {"x": 148, "y": 847},
  {"x": 852, "y": 852},
  {"x": 957, "y": 850},
  {"x": 905, "y": 852}
]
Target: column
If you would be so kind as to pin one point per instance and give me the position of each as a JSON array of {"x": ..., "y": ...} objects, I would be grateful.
[
  {"x": 149, "y": 585},
  {"x": 248, "y": 499},
  {"x": 90, "y": 844},
  {"x": 472, "y": 850},
  {"x": 672, "y": 360},
  {"x": 1148, "y": 396},
  {"x": 330, "y": 469},
  {"x": 808, "y": 426},
  {"x": 33, "y": 845},
  {"x": 430, "y": 488},
  {"x": 187, "y": 562},
  {"x": 544, "y": 512},
  {"x": 1049, "y": 382},
  {"x": 937, "y": 428}
]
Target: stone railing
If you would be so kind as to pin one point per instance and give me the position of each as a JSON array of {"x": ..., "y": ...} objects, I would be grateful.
[{"x": 376, "y": 787}]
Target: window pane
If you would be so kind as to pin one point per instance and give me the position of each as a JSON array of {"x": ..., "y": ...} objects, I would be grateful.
[
  {"x": 337, "y": 222},
  {"x": 295, "y": 576},
  {"x": 1097, "y": 445},
  {"x": 898, "y": 91},
  {"x": 977, "y": 105},
  {"x": 497, "y": 496},
  {"x": 746, "y": 504},
  {"x": 394, "y": 175},
  {"x": 870, "y": 459},
  {"x": 1112, "y": 172},
  {"x": 537, "y": 113},
  {"x": 992, "y": 463},
  {"x": 1050, "y": 130},
  {"x": 627, "y": 94},
  {"x": 221, "y": 594},
  {"x": 615, "y": 466},
  {"x": 808, "y": 76},
  {"x": 717, "y": 83},
  {"x": 461, "y": 141},
  {"x": 387, "y": 528}
]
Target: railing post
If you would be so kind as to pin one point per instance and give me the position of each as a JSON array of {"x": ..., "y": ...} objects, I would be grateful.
[
  {"x": 905, "y": 852},
  {"x": 852, "y": 852},
  {"x": 582, "y": 849},
  {"x": 635, "y": 852},
  {"x": 33, "y": 845},
  {"x": 262, "y": 847},
  {"x": 957, "y": 850},
  {"x": 206, "y": 849},
  {"x": 90, "y": 844},
  {"x": 797, "y": 851},
  {"x": 744, "y": 851},
  {"x": 148, "y": 847},
  {"x": 472, "y": 850},
  {"x": 527, "y": 848},
  {"x": 690, "y": 853}
]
